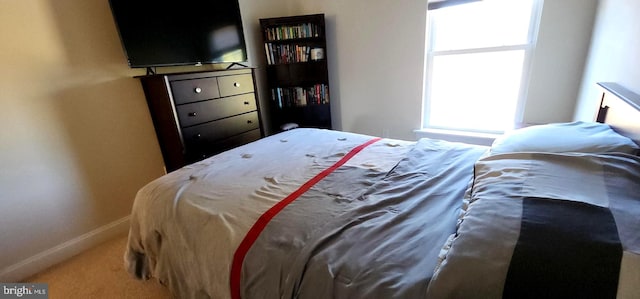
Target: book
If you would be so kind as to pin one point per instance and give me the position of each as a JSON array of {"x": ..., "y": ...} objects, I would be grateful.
[{"x": 284, "y": 32}]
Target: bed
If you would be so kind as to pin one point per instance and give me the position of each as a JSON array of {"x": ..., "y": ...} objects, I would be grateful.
[{"x": 549, "y": 211}]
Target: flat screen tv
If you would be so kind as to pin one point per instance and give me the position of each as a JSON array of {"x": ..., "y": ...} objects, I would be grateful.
[{"x": 179, "y": 32}]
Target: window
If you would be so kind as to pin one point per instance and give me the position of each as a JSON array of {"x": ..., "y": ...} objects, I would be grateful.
[{"x": 477, "y": 62}]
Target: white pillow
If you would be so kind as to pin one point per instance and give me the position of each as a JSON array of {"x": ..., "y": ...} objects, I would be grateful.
[{"x": 564, "y": 137}]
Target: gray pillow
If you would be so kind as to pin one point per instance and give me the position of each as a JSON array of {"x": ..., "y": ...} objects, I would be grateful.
[{"x": 578, "y": 136}]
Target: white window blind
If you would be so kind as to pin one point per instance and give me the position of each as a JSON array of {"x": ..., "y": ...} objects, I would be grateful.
[{"x": 478, "y": 57}]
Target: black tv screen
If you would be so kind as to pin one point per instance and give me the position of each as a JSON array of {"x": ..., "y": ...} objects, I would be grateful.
[{"x": 179, "y": 32}]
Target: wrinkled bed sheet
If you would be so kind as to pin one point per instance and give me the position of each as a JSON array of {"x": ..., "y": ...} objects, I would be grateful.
[{"x": 374, "y": 226}]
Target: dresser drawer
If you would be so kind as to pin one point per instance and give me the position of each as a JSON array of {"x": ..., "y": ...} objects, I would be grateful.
[
  {"x": 187, "y": 91},
  {"x": 208, "y": 150},
  {"x": 238, "y": 140},
  {"x": 195, "y": 113},
  {"x": 236, "y": 84},
  {"x": 213, "y": 131}
]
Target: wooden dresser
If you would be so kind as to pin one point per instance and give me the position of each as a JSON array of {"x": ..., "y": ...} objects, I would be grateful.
[{"x": 197, "y": 115}]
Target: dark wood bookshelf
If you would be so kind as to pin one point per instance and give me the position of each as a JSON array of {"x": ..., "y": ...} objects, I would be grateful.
[
  {"x": 298, "y": 73},
  {"x": 297, "y": 79}
]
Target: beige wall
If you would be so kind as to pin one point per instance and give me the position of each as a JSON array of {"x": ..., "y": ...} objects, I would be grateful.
[
  {"x": 614, "y": 54},
  {"x": 77, "y": 140}
]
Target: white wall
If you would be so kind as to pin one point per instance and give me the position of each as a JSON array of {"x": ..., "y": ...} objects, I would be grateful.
[
  {"x": 77, "y": 140},
  {"x": 563, "y": 43},
  {"x": 376, "y": 60},
  {"x": 252, "y": 12},
  {"x": 614, "y": 55}
]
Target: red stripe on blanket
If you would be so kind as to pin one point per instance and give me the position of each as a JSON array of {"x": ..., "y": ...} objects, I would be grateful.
[{"x": 261, "y": 223}]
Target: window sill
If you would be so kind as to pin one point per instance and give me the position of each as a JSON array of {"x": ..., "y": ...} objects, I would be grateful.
[{"x": 457, "y": 136}]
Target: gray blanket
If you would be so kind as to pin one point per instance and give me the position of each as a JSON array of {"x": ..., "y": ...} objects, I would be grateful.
[
  {"x": 543, "y": 225},
  {"x": 364, "y": 234}
]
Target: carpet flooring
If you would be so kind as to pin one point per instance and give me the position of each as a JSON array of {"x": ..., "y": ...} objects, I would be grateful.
[{"x": 98, "y": 273}]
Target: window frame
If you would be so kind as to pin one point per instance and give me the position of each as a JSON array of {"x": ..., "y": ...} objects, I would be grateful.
[{"x": 529, "y": 49}]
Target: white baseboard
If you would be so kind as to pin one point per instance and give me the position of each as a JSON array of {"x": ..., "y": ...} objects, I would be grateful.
[{"x": 45, "y": 259}]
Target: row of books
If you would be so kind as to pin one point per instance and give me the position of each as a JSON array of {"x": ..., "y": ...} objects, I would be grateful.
[
  {"x": 292, "y": 31},
  {"x": 277, "y": 54},
  {"x": 300, "y": 96}
]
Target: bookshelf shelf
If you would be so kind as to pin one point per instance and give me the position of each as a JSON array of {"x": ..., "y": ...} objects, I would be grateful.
[{"x": 297, "y": 73}]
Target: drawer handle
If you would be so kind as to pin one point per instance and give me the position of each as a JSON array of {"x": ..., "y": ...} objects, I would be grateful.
[
  {"x": 198, "y": 136},
  {"x": 249, "y": 121},
  {"x": 192, "y": 114},
  {"x": 246, "y": 102},
  {"x": 197, "y": 90},
  {"x": 236, "y": 84}
]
